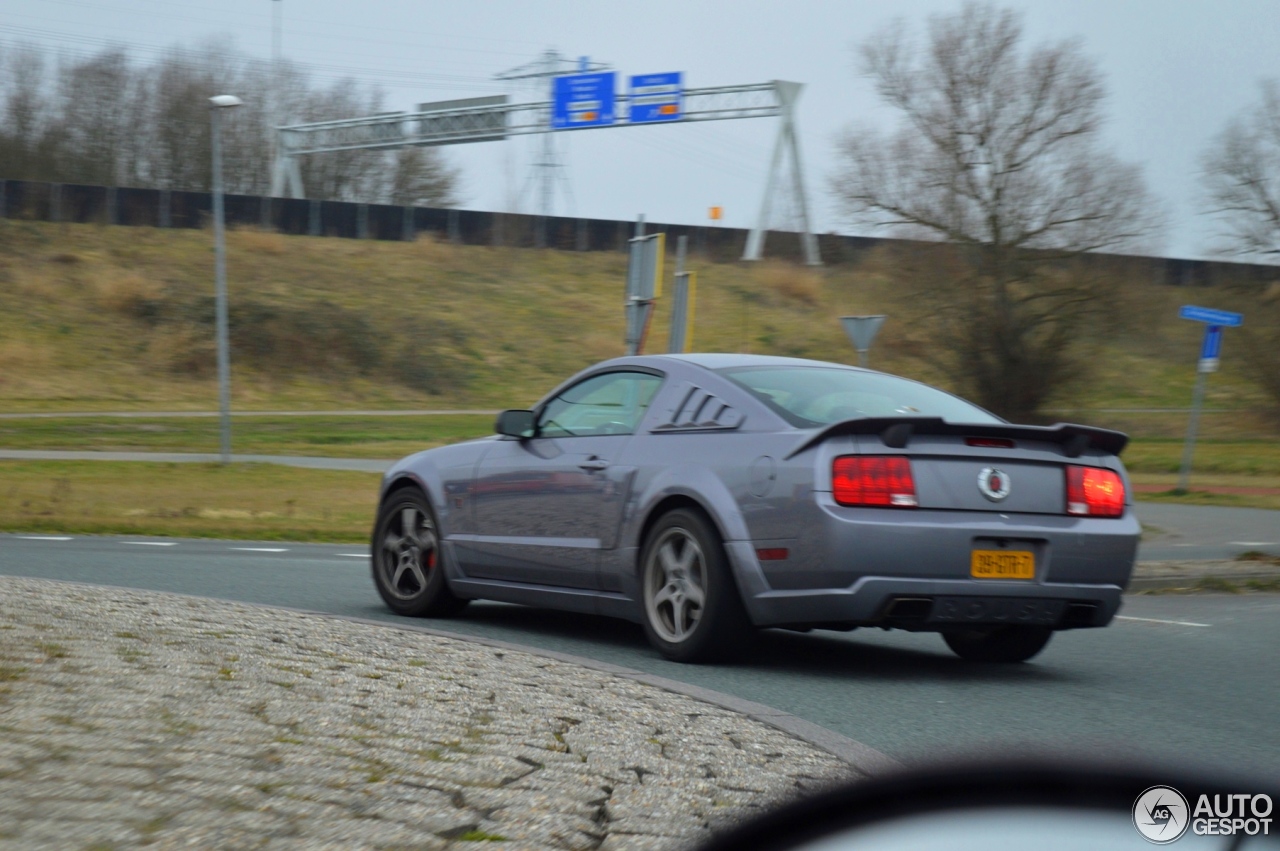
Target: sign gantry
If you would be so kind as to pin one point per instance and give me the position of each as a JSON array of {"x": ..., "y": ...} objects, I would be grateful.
[{"x": 588, "y": 104}]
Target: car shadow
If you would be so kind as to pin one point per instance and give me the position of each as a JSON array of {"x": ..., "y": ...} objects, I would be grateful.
[
  {"x": 818, "y": 655},
  {"x": 848, "y": 655}
]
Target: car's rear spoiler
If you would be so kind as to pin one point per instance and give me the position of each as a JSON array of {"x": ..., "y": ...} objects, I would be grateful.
[{"x": 896, "y": 432}]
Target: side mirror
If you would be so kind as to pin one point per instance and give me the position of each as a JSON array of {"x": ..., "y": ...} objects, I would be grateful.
[{"x": 515, "y": 423}]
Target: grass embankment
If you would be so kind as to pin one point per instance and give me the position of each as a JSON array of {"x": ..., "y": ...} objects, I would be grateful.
[
  {"x": 120, "y": 319},
  {"x": 110, "y": 318}
]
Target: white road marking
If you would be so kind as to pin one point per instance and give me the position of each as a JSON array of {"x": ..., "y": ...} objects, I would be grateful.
[
  {"x": 42, "y": 538},
  {"x": 352, "y": 555},
  {"x": 262, "y": 549},
  {"x": 1252, "y": 543},
  {"x": 151, "y": 543},
  {"x": 1158, "y": 620}
]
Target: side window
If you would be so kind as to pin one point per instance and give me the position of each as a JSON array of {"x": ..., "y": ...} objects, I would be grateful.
[{"x": 612, "y": 403}]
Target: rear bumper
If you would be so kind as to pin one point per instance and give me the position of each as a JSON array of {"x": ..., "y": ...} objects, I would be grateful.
[
  {"x": 938, "y": 605},
  {"x": 910, "y": 569}
]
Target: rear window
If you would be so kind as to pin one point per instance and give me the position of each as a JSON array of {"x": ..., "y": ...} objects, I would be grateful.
[{"x": 808, "y": 396}]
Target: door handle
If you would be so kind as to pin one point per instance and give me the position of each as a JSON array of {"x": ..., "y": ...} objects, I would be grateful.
[{"x": 594, "y": 463}]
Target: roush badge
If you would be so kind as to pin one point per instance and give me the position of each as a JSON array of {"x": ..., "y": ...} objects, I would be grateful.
[{"x": 994, "y": 484}]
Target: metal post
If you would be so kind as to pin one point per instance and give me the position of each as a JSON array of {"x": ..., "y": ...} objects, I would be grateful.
[
  {"x": 455, "y": 229},
  {"x": 55, "y": 202},
  {"x": 406, "y": 224},
  {"x": 787, "y": 93},
  {"x": 580, "y": 244},
  {"x": 220, "y": 264},
  {"x": 362, "y": 221},
  {"x": 4, "y": 213},
  {"x": 1197, "y": 400},
  {"x": 313, "y": 219},
  {"x": 679, "y": 300},
  {"x": 111, "y": 205},
  {"x": 166, "y": 208}
]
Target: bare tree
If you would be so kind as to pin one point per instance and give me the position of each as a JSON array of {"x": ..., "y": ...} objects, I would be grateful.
[
  {"x": 96, "y": 121},
  {"x": 106, "y": 120},
  {"x": 28, "y": 146},
  {"x": 997, "y": 154},
  {"x": 1241, "y": 178},
  {"x": 421, "y": 177}
]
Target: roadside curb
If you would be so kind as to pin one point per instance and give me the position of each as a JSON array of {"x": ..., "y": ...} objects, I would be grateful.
[{"x": 1156, "y": 583}]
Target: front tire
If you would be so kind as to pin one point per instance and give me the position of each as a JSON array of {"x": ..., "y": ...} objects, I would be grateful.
[
  {"x": 407, "y": 561},
  {"x": 692, "y": 609},
  {"x": 1006, "y": 644}
]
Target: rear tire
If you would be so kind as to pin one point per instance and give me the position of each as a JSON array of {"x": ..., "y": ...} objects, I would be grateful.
[
  {"x": 407, "y": 560},
  {"x": 692, "y": 609},
  {"x": 1005, "y": 644}
]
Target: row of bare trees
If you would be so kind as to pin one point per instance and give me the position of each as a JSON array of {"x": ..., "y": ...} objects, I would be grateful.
[
  {"x": 108, "y": 119},
  {"x": 998, "y": 157}
]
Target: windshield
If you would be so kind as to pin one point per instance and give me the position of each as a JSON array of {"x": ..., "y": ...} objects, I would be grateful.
[{"x": 808, "y": 396}]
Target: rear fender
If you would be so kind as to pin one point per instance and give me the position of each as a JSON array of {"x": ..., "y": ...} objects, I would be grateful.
[{"x": 705, "y": 488}]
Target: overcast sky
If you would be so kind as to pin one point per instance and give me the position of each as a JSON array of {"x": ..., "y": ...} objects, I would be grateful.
[{"x": 1176, "y": 71}]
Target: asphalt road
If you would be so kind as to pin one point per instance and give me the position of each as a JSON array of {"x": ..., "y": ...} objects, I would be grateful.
[{"x": 1187, "y": 679}]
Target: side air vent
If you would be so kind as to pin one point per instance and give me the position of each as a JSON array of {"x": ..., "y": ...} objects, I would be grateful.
[{"x": 697, "y": 410}]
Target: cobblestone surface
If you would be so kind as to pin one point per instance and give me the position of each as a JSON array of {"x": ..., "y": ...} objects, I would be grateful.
[{"x": 132, "y": 718}]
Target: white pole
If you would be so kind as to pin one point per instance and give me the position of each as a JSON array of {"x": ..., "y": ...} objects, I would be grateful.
[{"x": 220, "y": 275}]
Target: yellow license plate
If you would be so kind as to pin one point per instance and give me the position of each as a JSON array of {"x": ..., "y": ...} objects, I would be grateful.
[{"x": 1002, "y": 564}]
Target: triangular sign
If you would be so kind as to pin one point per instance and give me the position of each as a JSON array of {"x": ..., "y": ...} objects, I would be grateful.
[{"x": 862, "y": 329}]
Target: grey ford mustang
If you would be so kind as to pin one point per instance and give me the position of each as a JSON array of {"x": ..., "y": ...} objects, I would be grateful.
[{"x": 705, "y": 495}]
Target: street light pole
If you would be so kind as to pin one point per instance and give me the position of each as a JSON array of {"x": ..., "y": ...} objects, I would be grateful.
[{"x": 217, "y": 104}]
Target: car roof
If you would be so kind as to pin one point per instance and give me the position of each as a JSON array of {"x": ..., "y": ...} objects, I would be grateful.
[{"x": 729, "y": 360}]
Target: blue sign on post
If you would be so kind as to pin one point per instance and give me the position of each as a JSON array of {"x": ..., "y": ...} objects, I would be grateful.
[
  {"x": 1213, "y": 317},
  {"x": 1212, "y": 345},
  {"x": 656, "y": 97},
  {"x": 583, "y": 100}
]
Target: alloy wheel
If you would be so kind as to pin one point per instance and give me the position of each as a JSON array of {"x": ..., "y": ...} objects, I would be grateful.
[
  {"x": 675, "y": 589},
  {"x": 409, "y": 552}
]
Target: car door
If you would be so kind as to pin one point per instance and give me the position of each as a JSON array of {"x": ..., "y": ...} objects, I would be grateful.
[{"x": 546, "y": 506}]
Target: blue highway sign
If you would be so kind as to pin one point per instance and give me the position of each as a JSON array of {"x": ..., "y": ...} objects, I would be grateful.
[
  {"x": 656, "y": 97},
  {"x": 583, "y": 100},
  {"x": 1213, "y": 317}
]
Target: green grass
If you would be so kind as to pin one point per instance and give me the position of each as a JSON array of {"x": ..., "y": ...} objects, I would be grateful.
[
  {"x": 342, "y": 437},
  {"x": 253, "y": 501},
  {"x": 1235, "y": 457}
]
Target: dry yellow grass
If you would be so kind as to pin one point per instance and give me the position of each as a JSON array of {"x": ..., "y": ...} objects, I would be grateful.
[
  {"x": 801, "y": 283},
  {"x": 502, "y": 324},
  {"x": 258, "y": 501},
  {"x": 256, "y": 240}
]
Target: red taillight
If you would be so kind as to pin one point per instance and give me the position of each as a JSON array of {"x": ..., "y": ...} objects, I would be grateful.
[
  {"x": 1094, "y": 492},
  {"x": 873, "y": 480}
]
